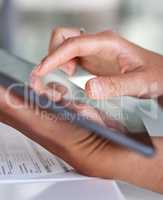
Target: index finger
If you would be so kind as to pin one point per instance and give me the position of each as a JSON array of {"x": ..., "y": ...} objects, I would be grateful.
[{"x": 70, "y": 49}]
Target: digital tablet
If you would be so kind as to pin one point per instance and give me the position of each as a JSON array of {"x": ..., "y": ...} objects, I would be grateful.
[{"x": 127, "y": 130}]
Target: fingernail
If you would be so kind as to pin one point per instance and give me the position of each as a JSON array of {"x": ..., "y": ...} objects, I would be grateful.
[
  {"x": 82, "y": 31},
  {"x": 94, "y": 89},
  {"x": 38, "y": 68},
  {"x": 35, "y": 71},
  {"x": 57, "y": 96},
  {"x": 54, "y": 95}
]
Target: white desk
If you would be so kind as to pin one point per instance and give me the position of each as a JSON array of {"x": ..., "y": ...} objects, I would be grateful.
[
  {"x": 78, "y": 190},
  {"x": 62, "y": 191}
]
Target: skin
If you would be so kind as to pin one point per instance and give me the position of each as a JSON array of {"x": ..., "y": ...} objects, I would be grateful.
[
  {"x": 121, "y": 63},
  {"x": 82, "y": 149},
  {"x": 115, "y": 61}
]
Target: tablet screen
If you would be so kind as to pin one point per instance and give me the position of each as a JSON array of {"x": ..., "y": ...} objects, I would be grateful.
[{"x": 116, "y": 113}]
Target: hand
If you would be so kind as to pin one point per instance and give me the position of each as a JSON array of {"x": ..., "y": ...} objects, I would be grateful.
[
  {"x": 122, "y": 68},
  {"x": 86, "y": 152},
  {"x": 61, "y": 137}
]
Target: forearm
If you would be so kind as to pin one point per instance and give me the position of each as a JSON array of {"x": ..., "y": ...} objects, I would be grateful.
[
  {"x": 144, "y": 172},
  {"x": 69, "y": 142}
]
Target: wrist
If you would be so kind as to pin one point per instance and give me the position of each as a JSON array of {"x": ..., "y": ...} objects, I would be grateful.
[{"x": 141, "y": 171}]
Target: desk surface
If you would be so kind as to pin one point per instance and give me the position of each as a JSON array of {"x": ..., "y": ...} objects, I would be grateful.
[
  {"x": 78, "y": 190},
  {"x": 87, "y": 190}
]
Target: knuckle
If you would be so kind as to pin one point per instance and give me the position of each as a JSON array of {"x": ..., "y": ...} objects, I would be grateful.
[
  {"x": 109, "y": 37},
  {"x": 109, "y": 33},
  {"x": 73, "y": 43},
  {"x": 114, "y": 86},
  {"x": 145, "y": 77},
  {"x": 70, "y": 40},
  {"x": 53, "y": 31},
  {"x": 151, "y": 80},
  {"x": 57, "y": 30},
  {"x": 148, "y": 76}
]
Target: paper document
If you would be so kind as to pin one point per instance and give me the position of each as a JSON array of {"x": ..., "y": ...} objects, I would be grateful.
[{"x": 22, "y": 159}]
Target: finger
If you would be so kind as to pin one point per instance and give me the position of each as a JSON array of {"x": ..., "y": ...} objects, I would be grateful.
[
  {"x": 70, "y": 49},
  {"x": 70, "y": 67},
  {"x": 112, "y": 123},
  {"x": 59, "y": 35},
  {"x": 131, "y": 84},
  {"x": 52, "y": 91},
  {"x": 53, "y": 95},
  {"x": 88, "y": 112},
  {"x": 55, "y": 91},
  {"x": 37, "y": 84},
  {"x": 57, "y": 87}
]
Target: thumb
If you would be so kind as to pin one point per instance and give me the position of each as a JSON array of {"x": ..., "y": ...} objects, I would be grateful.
[{"x": 132, "y": 84}]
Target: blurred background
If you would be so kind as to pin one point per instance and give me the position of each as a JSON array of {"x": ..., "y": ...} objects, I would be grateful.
[{"x": 26, "y": 25}]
